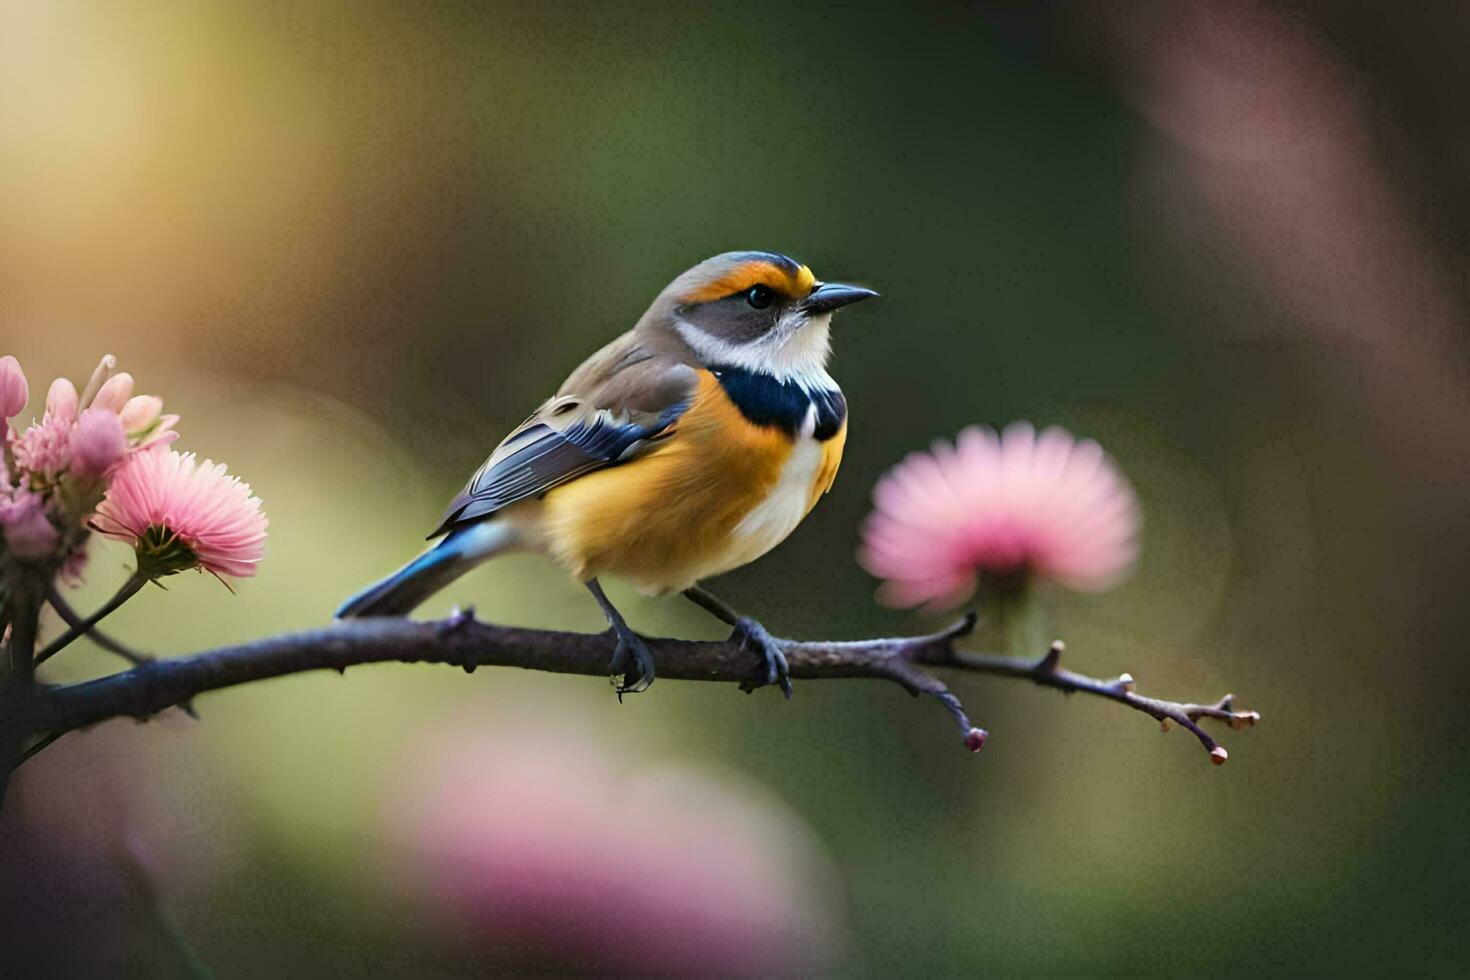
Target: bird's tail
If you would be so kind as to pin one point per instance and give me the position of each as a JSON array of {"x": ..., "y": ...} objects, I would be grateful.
[{"x": 412, "y": 585}]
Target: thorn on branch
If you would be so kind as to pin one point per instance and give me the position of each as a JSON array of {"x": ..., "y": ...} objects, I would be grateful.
[
  {"x": 459, "y": 618},
  {"x": 1224, "y": 710},
  {"x": 964, "y": 627},
  {"x": 1048, "y": 663},
  {"x": 1170, "y": 713}
]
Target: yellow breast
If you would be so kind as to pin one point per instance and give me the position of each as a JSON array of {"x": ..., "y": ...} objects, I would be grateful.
[{"x": 718, "y": 493}]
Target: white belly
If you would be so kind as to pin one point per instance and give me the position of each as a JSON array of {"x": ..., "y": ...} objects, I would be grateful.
[{"x": 770, "y": 521}]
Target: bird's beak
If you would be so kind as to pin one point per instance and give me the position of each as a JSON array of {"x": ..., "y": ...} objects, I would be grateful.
[{"x": 829, "y": 296}]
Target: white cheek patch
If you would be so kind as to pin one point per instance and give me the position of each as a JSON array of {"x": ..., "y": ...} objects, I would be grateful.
[{"x": 795, "y": 349}]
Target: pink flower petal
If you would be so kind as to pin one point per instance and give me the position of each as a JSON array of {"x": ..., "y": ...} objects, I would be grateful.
[
  {"x": 98, "y": 442},
  {"x": 14, "y": 391},
  {"x": 114, "y": 394},
  {"x": 61, "y": 401}
]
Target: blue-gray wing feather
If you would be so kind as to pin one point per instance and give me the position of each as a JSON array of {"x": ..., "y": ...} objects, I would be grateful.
[{"x": 631, "y": 400}]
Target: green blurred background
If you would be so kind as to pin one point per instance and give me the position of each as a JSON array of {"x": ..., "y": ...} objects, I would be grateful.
[{"x": 353, "y": 244}]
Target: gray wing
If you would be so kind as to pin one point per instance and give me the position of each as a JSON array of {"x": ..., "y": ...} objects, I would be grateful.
[{"x": 620, "y": 402}]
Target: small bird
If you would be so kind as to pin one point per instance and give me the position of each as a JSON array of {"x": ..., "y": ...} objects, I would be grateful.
[{"x": 689, "y": 446}]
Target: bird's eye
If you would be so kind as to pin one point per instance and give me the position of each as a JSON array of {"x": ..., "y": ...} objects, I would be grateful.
[{"x": 758, "y": 296}]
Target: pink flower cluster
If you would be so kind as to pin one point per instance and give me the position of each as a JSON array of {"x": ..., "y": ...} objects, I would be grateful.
[
  {"x": 104, "y": 451},
  {"x": 1004, "y": 508}
]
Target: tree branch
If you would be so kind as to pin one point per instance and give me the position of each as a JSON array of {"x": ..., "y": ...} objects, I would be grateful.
[
  {"x": 1048, "y": 673},
  {"x": 462, "y": 641}
]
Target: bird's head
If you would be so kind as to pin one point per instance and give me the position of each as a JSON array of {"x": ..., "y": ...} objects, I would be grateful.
[{"x": 755, "y": 310}]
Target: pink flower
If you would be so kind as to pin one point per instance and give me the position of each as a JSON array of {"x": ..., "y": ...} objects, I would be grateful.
[
  {"x": 29, "y": 535},
  {"x": 1002, "y": 507},
  {"x": 179, "y": 514},
  {"x": 526, "y": 842},
  {"x": 14, "y": 391},
  {"x": 98, "y": 442}
]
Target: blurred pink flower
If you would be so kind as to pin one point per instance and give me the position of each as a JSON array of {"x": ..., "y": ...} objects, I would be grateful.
[
  {"x": 98, "y": 442},
  {"x": 1002, "y": 507},
  {"x": 523, "y": 840},
  {"x": 112, "y": 791},
  {"x": 179, "y": 514},
  {"x": 14, "y": 391},
  {"x": 29, "y": 534}
]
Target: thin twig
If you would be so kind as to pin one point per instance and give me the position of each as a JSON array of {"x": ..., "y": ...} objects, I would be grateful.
[
  {"x": 129, "y": 589},
  {"x": 1048, "y": 672},
  {"x": 465, "y": 642},
  {"x": 36, "y": 748},
  {"x": 74, "y": 619}
]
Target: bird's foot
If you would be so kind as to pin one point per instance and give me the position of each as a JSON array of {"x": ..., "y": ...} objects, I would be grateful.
[
  {"x": 773, "y": 669},
  {"x": 632, "y": 662}
]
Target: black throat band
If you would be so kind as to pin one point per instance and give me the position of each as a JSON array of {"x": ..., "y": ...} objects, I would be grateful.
[{"x": 765, "y": 401}]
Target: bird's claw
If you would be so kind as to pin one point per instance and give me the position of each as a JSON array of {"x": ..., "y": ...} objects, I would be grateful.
[
  {"x": 632, "y": 663},
  {"x": 751, "y": 634}
]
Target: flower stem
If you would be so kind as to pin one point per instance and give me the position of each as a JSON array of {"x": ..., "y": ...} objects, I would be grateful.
[
  {"x": 129, "y": 589},
  {"x": 74, "y": 619},
  {"x": 1024, "y": 625},
  {"x": 1014, "y": 621}
]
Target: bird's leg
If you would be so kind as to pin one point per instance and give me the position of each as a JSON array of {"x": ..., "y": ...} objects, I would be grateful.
[
  {"x": 630, "y": 645},
  {"x": 750, "y": 633}
]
